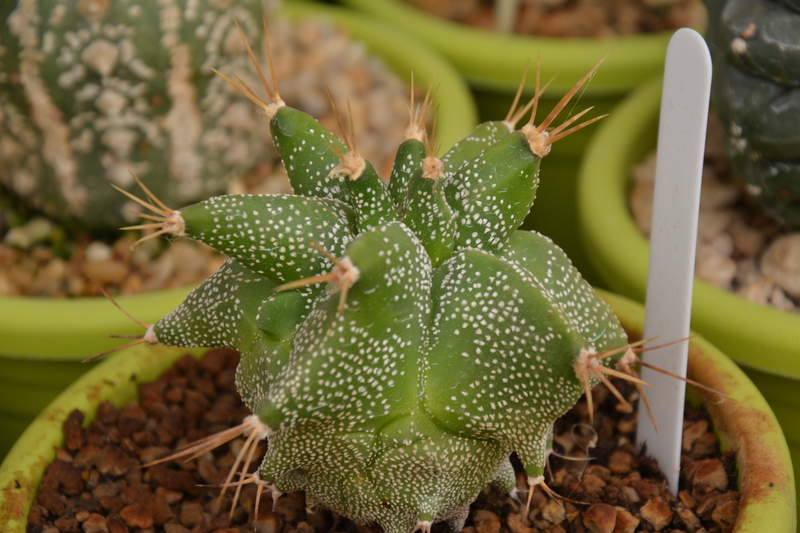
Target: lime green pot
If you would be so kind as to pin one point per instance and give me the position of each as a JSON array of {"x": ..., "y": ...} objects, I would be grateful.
[
  {"x": 744, "y": 423},
  {"x": 42, "y": 341},
  {"x": 764, "y": 341},
  {"x": 493, "y": 64}
]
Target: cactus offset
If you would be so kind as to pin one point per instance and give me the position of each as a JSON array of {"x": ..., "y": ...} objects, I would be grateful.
[
  {"x": 755, "y": 46},
  {"x": 397, "y": 341}
]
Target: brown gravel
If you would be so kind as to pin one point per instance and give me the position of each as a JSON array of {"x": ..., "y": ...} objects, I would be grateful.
[
  {"x": 97, "y": 484},
  {"x": 38, "y": 258},
  {"x": 576, "y": 18},
  {"x": 740, "y": 249}
]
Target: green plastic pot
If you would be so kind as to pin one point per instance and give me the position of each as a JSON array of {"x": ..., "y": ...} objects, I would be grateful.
[
  {"x": 764, "y": 341},
  {"x": 744, "y": 424},
  {"x": 493, "y": 64},
  {"x": 42, "y": 341}
]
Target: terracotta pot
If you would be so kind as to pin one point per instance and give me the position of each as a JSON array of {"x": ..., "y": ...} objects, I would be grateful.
[
  {"x": 744, "y": 423},
  {"x": 42, "y": 341},
  {"x": 764, "y": 341}
]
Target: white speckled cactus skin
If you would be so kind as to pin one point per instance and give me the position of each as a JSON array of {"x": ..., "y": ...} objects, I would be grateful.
[
  {"x": 444, "y": 340},
  {"x": 93, "y": 89}
]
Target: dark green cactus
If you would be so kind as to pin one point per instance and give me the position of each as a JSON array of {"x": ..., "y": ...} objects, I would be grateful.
[
  {"x": 755, "y": 46},
  {"x": 92, "y": 89},
  {"x": 397, "y": 341}
]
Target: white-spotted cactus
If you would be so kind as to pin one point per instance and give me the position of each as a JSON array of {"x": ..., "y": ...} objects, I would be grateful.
[
  {"x": 93, "y": 89},
  {"x": 398, "y": 341},
  {"x": 755, "y": 46}
]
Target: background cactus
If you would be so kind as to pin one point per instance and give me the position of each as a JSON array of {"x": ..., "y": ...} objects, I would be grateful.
[
  {"x": 91, "y": 89},
  {"x": 755, "y": 46},
  {"x": 397, "y": 341}
]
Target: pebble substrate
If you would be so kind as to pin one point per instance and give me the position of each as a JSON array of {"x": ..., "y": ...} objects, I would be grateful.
[
  {"x": 576, "y": 18},
  {"x": 96, "y": 483},
  {"x": 740, "y": 249},
  {"x": 38, "y": 258}
]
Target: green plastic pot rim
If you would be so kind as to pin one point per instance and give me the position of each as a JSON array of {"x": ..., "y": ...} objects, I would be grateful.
[
  {"x": 75, "y": 328},
  {"x": 620, "y": 253},
  {"x": 497, "y": 61},
  {"x": 766, "y": 480}
]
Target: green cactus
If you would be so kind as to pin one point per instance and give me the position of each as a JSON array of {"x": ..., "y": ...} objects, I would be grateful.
[
  {"x": 91, "y": 89},
  {"x": 397, "y": 341},
  {"x": 755, "y": 46}
]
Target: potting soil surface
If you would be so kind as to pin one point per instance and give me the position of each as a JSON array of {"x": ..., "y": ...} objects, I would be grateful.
[{"x": 97, "y": 483}]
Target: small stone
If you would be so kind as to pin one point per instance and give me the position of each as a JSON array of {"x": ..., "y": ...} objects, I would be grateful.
[
  {"x": 109, "y": 271},
  {"x": 631, "y": 493},
  {"x": 592, "y": 484},
  {"x": 686, "y": 499},
  {"x": 290, "y": 506},
  {"x": 553, "y": 512},
  {"x": 73, "y": 434},
  {"x": 68, "y": 524},
  {"x": 747, "y": 240},
  {"x": 53, "y": 502},
  {"x": 781, "y": 262},
  {"x": 600, "y": 518},
  {"x": 713, "y": 223},
  {"x": 137, "y": 516},
  {"x": 657, "y": 513},
  {"x": 705, "y": 445},
  {"x": 116, "y": 524},
  {"x": 710, "y": 475},
  {"x": 113, "y": 462},
  {"x": 620, "y": 462},
  {"x": 714, "y": 267},
  {"x": 67, "y": 476},
  {"x": 724, "y": 516},
  {"x": 758, "y": 290},
  {"x": 98, "y": 251},
  {"x": 169, "y": 496},
  {"x": 268, "y": 522},
  {"x": 692, "y": 433},
  {"x": 132, "y": 418},
  {"x": 516, "y": 524},
  {"x": 626, "y": 522},
  {"x": 175, "y": 528},
  {"x": 712, "y": 500},
  {"x": 646, "y": 489},
  {"x": 780, "y": 300},
  {"x": 96, "y": 523},
  {"x": 173, "y": 480},
  {"x": 34, "y": 231},
  {"x": 486, "y": 522},
  {"x": 689, "y": 519},
  {"x": 191, "y": 514}
]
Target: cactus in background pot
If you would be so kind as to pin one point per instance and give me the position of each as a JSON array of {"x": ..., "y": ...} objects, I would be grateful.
[
  {"x": 397, "y": 341},
  {"x": 90, "y": 89},
  {"x": 755, "y": 45}
]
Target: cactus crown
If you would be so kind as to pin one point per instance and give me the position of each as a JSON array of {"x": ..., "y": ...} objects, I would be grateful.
[{"x": 398, "y": 341}]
